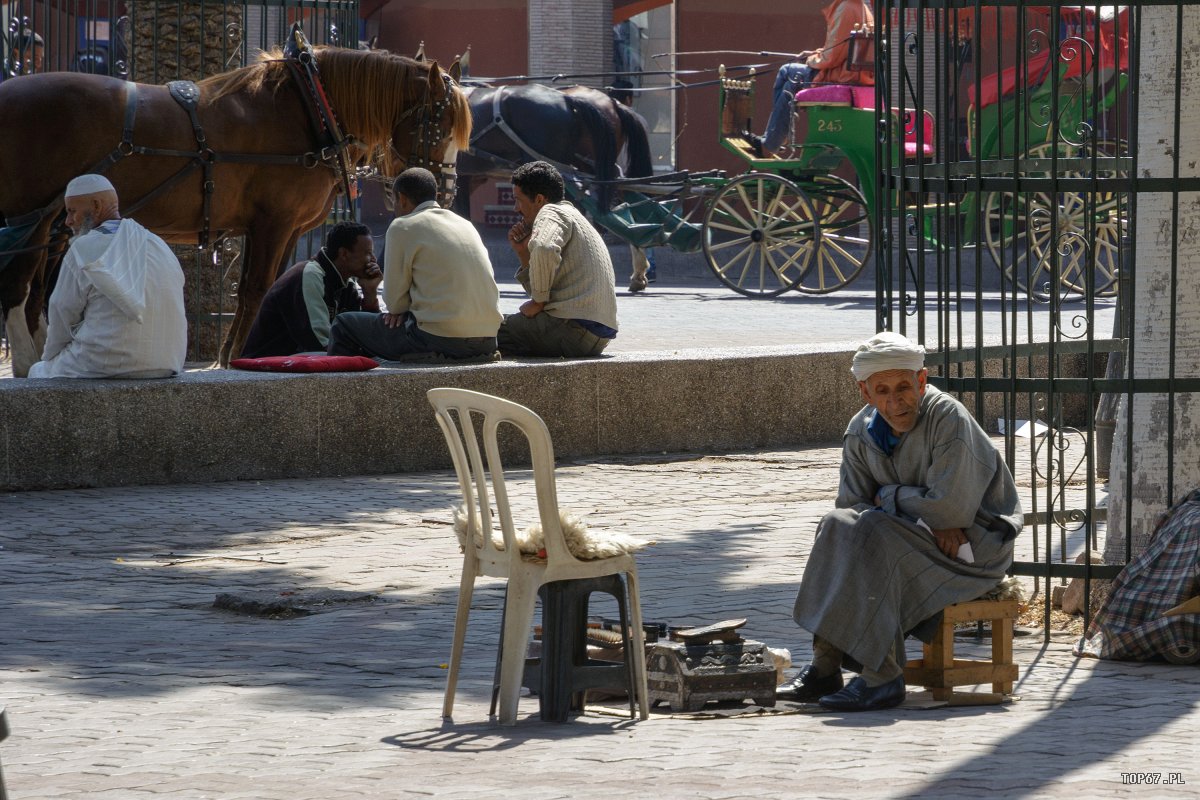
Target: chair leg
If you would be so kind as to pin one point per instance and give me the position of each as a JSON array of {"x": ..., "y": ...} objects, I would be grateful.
[
  {"x": 466, "y": 591},
  {"x": 639, "y": 644},
  {"x": 627, "y": 647},
  {"x": 939, "y": 656},
  {"x": 518, "y": 617},
  {"x": 1002, "y": 655}
]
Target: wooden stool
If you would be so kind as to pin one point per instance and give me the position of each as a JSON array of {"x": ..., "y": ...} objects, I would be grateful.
[{"x": 939, "y": 671}]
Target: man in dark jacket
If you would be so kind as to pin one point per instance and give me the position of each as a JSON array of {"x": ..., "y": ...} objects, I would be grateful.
[{"x": 299, "y": 307}]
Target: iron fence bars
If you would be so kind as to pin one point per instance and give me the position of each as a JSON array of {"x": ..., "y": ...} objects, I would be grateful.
[{"x": 1010, "y": 249}]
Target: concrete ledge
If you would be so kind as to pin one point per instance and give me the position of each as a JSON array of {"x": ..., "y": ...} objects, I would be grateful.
[{"x": 215, "y": 425}]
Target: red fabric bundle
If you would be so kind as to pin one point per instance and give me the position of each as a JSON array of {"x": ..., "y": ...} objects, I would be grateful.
[{"x": 305, "y": 363}]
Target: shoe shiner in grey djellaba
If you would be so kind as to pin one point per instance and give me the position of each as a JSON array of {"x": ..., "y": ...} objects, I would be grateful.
[{"x": 926, "y": 515}]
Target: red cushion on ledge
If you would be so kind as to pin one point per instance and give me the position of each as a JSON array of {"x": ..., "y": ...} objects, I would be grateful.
[{"x": 305, "y": 363}]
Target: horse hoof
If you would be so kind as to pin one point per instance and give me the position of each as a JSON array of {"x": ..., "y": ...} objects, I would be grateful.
[{"x": 637, "y": 285}]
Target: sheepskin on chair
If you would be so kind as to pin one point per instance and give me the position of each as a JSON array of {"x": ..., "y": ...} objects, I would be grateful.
[
  {"x": 1009, "y": 588},
  {"x": 582, "y": 542}
]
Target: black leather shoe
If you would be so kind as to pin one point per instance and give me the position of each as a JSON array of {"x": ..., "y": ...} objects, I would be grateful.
[
  {"x": 807, "y": 687},
  {"x": 857, "y": 696},
  {"x": 756, "y": 143}
]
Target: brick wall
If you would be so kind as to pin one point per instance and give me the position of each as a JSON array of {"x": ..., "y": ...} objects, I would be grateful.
[{"x": 570, "y": 36}]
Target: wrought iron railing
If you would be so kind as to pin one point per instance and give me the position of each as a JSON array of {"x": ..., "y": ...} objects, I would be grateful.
[{"x": 1015, "y": 249}]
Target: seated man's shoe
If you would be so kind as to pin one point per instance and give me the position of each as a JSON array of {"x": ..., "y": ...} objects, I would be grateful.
[
  {"x": 756, "y": 143},
  {"x": 857, "y": 696},
  {"x": 807, "y": 687}
]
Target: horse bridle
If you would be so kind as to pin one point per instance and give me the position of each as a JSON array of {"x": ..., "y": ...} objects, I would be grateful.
[{"x": 426, "y": 135}]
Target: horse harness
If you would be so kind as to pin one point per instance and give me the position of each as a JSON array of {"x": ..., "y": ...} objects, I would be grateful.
[
  {"x": 500, "y": 123},
  {"x": 333, "y": 143},
  {"x": 426, "y": 134},
  {"x": 332, "y": 140}
]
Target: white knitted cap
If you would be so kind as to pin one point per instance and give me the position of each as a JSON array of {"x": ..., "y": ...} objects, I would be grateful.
[
  {"x": 885, "y": 351},
  {"x": 89, "y": 184}
]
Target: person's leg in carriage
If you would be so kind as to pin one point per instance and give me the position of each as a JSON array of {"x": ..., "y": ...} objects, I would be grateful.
[
  {"x": 790, "y": 79},
  {"x": 842, "y": 17}
]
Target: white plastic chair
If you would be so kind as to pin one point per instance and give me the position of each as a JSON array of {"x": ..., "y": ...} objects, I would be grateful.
[{"x": 454, "y": 410}]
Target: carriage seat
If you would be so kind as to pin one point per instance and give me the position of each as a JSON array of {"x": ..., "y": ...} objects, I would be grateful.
[
  {"x": 1004, "y": 83},
  {"x": 837, "y": 94},
  {"x": 829, "y": 95},
  {"x": 910, "y": 134}
]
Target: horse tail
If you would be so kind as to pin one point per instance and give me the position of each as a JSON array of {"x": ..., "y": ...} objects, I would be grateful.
[
  {"x": 604, "y": 144},
  {"x": 637, "y": 139}
]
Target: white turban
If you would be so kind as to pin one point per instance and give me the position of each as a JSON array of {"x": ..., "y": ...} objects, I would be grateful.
[
  {"x": 89, "y": 184},
  {"x": 885, "y": 351}
]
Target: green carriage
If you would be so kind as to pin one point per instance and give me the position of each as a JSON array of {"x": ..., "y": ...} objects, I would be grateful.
[{"x": 806, "y": 218}]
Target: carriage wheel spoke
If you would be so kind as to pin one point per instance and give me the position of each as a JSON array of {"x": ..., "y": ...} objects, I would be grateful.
[
  {"x": 731, "y": 243},
  {"x": 793, "y": 259},
  {"x": 719, "y": 226},
  {"x": 749, "y": 205},
  {"x": 799, "y": 228},
  {"x": 724, "y": 205},
  {"x": 736, "y": 258}
]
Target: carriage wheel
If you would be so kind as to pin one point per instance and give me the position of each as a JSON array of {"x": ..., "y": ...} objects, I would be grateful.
[
  {"x": 1017, "y": 230},
  {"x": 1109, "y": 215},
  {"x": 759, "y": 234},
  {"x": 1027, "y": 232},
  {"x": 847, "y": 233}
]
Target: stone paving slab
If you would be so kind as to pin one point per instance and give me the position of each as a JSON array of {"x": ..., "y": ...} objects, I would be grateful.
[{"x": 121, "y": 680}]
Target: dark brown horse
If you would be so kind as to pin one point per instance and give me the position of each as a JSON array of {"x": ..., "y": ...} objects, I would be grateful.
[
  {"x": 59, "y": 125},
  {"x": 578, "y": 129}
]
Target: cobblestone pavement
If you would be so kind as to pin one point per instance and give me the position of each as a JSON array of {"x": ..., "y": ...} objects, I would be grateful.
[{"x": 122, "y": 681}]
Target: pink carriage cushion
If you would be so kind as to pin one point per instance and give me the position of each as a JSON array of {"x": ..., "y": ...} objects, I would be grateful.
[
  {"x": 303, "y": 363},
  {"x": 910, "y": 135},
  {"x": 831, "y": 94},
  {"x": 864, "y": 97}
]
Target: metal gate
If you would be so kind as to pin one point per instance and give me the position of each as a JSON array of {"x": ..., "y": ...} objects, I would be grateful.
[
  {"x": 1039, "y": 240},
  {"x": 152, "y": 41}
]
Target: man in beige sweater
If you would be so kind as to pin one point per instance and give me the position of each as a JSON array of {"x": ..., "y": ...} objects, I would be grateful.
[
  {"x": 565, "y": 267},
  {"x": 437, "y": 284}
]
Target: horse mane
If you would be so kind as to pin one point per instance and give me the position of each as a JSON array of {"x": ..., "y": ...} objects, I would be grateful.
[{"x": 370, "y": 90}]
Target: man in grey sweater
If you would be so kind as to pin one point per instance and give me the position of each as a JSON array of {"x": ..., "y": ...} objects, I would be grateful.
[{"x": 565, "y": 267}]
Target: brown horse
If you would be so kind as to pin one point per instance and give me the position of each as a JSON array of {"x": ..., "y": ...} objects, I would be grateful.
[{"x": 269, "y": 180}]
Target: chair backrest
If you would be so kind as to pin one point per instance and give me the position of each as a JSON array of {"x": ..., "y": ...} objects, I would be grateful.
[{"x": 457, "y": 411}]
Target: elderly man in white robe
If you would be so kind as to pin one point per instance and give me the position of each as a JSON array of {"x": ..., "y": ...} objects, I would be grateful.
[
  {"x": 926, "y": 515},
  {"x": 117, "y": 309}
]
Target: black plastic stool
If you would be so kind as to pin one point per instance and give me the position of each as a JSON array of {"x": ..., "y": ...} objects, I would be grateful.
[{"x": 564, "y": 672}]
